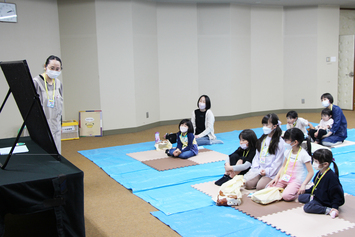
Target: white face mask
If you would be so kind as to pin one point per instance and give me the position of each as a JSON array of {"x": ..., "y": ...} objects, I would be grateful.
[
  {"x": 316, "y": 166},
  {"x": 53, "y": 74},
  {"x": 325, "y": 103},
  {"x": 267, "y": 130},
  {"x": 202, "y": 106},
  {"x": 288, "y": 146},
  {"x": 243, "y": 146},
  {"x": 183, "y": 129}
]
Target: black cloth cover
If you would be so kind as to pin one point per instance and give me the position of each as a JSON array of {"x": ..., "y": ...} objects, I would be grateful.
[{"x": 34, "y": 182}]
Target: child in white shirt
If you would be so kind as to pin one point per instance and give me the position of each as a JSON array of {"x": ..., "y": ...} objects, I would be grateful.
[
  {"x": 323, "y": 127},
  {"x": 293, "y": 121}
]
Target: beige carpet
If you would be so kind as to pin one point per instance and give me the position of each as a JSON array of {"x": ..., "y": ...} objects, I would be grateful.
[{"x": 111, "y": 209}]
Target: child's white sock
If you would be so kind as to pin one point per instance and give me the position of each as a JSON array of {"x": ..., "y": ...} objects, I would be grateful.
[{"x": 327, "y": 211}]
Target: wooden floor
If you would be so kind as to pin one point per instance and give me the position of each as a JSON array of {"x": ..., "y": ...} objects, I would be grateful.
[{"x": 111, "y": 209}]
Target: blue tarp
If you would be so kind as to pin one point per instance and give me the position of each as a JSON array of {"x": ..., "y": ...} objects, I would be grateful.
[{"x": 186, "y": 210}]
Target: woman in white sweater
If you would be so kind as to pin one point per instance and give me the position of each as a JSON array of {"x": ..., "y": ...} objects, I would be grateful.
[{"x": 203, "y": 122}]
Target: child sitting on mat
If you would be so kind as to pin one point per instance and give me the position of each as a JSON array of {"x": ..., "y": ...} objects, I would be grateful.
[
  {"x": 186, "y": 142},
  {"x": 338, "y": 133},
  {"x": 323, "y": 127},
  {"x": 269, "y": 154},
  {"x": 293, "y": 121},
  {"x": 326, "y": 195},
  {"x": 239, "y": 162},
  {"x": 296, "y": 170}
]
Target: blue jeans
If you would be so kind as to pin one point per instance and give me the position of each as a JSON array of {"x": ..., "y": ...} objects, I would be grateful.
[
  {"x": 311, "y": 206},
  {"x": 332, "y": 140},
  {"x": 183, "y": 155},
  {"x": 203, "y": 141}
]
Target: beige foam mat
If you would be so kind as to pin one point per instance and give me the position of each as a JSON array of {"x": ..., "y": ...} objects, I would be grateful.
[
  {"x": 204, "y": 156},
  {"x": 345, "y": 143},
  {"x": 256, "y": 210},
  {"x": 210, "y": 189},
  {"x": 148, "y": 155},
  {"x": 169, "y": 163},
  {"x": 289, "y": 217},
  {"x": 296, "y": 222},
  {"x": 208, "y": 157}
]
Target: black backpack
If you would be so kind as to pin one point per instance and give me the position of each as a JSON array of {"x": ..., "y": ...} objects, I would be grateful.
[{"x": 172, "y": 137}]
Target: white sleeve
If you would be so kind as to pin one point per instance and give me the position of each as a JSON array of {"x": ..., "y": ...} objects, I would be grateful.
[
  {"x": 208, "y": 124},
  {"x": 304, "y": 121},
  {"x": 242, "y": 167},
  {"x": 277, "y": 163},
  {"x": 193, "y": 120}
]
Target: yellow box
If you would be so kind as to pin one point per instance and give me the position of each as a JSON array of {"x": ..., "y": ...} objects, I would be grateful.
[{"x": 70, "y": 130}]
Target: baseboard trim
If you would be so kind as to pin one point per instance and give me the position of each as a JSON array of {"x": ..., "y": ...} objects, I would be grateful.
[{"x": 220, "y": 118}]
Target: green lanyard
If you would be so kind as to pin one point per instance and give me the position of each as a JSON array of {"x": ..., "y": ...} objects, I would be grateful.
[
  {"x": 262, "y": 147},
  {"x": 246, "y": 154},
  {"x": 288, "y": 160},
  {"x": 314, "y": 187}
]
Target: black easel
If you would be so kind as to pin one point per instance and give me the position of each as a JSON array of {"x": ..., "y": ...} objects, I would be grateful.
[
  {"x": 22, "y": 88},
  {"x": 3, "y": 166}
]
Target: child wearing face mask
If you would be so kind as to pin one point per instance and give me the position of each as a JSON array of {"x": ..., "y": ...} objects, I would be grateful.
[
  {"x": 186, "y": 142},
  {"x": 239, "y": 162},
  {"x": 269, "y": 154},
  {"x": 326, "y": 195},
  {"x": 338, "y": 132},
  {"x": 203, "y": 122},
  {"x": 293, "y": 121},
  {"x": 296, "y": 170},
  {"x": 323, "y": 127}
]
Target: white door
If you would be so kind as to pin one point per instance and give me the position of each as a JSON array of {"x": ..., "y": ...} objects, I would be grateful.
[{"x": 346, "y": 72}]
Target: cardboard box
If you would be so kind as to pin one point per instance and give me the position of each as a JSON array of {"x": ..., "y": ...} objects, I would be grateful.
[
  {"x": 70, "y": 130},
  {"x": 90, "y": 123}
]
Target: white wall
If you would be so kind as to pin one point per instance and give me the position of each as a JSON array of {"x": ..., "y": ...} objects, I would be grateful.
[
  {"x": 116, "y": 63},
  {"x": 78, "y": 40},
  {"x": 177, "y": 57},
  {"x": 129, "y": 57},
  {"x": 33, "y": 39},
  {"x": 300, "y": 64},
  {"x": 266, "y": 59}
]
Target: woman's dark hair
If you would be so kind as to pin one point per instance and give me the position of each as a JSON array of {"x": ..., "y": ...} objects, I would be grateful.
[
  {"x": 208, "y": 101},
  {"x": 250, "y": 136},
  {"x": 327, "y": 96},
  {"x": 326, "y": 111},
  {"x": 274, "y": 119},
  {"x": 188, "y": 124},
  {"x": 52, "y": 57},
  {"x": 293, "y": 114},
  {"x": 325, "y": 155},
  {"x": 295, "y": 134}
]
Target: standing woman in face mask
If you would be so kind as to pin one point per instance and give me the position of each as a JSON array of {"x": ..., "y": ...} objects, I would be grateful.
[
  {"x": 203, "y": 121},
  {"x": 50, "y": 91}
]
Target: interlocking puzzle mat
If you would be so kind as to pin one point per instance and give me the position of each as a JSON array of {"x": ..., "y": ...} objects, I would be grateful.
[
  {"x": 160, "y": 161},
  {"x": 296, "y": 222},
  {"x": 289, "y": 217}
]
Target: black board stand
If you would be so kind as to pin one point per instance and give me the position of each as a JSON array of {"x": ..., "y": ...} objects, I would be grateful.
[
  {"x": 22, "y": 88},
  {"x": 3, "y": 166}
]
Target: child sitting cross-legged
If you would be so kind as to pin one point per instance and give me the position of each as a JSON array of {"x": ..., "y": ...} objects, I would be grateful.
[
  {"x": 186, "y": 142},
  {"x": 239, "y": 162}
]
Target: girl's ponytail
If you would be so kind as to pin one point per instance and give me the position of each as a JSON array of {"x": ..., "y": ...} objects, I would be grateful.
[{"x": 336, "y": 170}]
